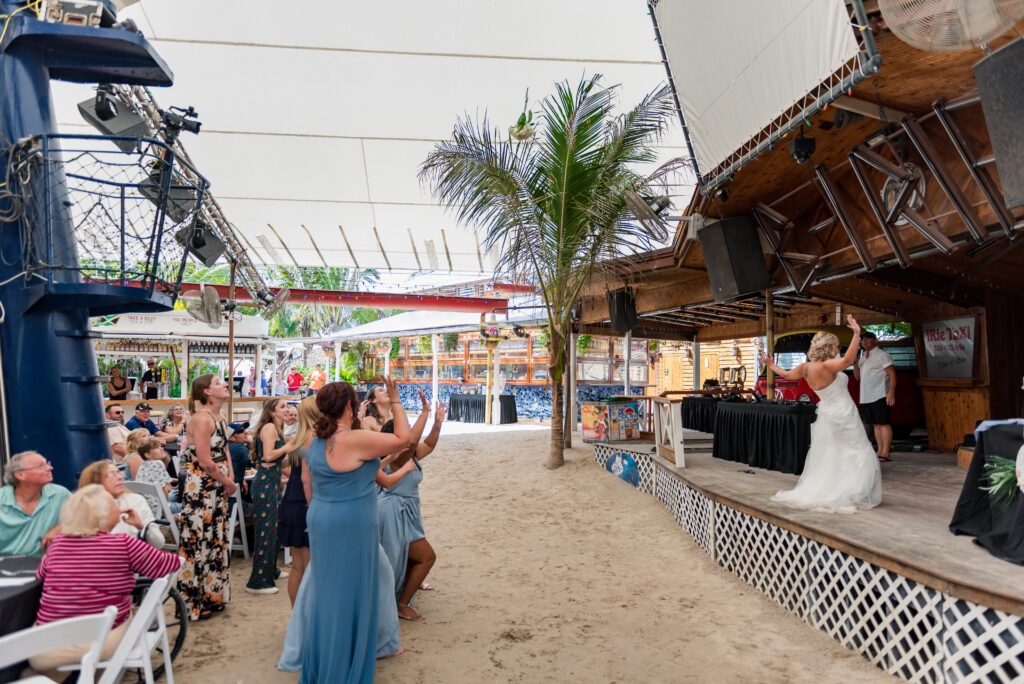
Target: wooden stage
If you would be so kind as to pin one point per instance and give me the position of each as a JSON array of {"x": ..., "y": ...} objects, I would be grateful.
[
  {"x": 907, "y": 534},
  {"x": 892, "y": 583}
]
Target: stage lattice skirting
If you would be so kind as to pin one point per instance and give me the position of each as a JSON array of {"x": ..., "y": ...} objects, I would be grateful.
[{"x": 903, "y": 627}]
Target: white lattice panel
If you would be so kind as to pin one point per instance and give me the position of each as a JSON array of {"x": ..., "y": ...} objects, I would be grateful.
[
  {"x": 700, "y": 519},
  {"x": 669, "y": 491},
  {"x": 767, "y": 557},
  {"x": 982, "y": 644},
  {"x": 893, "y": 621},
  {"x": 645, "y": 467},
  {"x": 601, "y": 454}
]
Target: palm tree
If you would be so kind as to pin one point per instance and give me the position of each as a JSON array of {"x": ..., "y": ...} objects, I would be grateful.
[{"x": 557, "y": 206}]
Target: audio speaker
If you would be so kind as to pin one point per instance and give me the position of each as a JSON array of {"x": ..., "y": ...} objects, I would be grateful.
[
  {"x": 999, "y": 77},
  {"x": 622, "y": 310},
  {"x": 206, "y": 246},
  {"x": 733, "y": 256}
]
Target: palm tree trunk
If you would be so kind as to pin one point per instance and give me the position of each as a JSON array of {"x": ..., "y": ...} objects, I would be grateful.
[{"x": 556, "y": 460}]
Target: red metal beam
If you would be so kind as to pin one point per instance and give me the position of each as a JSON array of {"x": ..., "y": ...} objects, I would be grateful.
[{"x": 378, "y": 300}]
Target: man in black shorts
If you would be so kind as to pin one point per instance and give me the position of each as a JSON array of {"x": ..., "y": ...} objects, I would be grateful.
[{"x": 877, "y": 377}]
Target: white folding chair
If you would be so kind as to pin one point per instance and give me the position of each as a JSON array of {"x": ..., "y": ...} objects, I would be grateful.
[
  {"x": 176, "y": 460},
  {"x": 150, "y": 491},
  {"x": 139, "y": 639},
  {"x": 237, "y": 518},
  {"x": 33, "y": 641}
]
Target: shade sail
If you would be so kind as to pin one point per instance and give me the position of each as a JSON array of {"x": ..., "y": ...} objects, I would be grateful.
[
  {"x": 317, "y": 114},
  {"x": 739, "y": 65}
]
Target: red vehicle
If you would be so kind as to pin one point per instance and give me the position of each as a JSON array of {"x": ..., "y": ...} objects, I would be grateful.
[{"x": 791, "y": 351}]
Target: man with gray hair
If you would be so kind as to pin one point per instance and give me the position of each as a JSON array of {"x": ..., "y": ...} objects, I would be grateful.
[{"x": 29, "y": 505}]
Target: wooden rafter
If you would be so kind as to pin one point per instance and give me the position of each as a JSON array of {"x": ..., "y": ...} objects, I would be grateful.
[
  {"x": 315, "y": 246},
  {"x": 415, "y": 253},
  {"x": 350, "y": 252},
  {"x": 839, "y": 208},
  {"x": 381, "y": 246},
  {"x": 945, "y": 179},
  {"x": 891, "y": 236},
  {"x": 292, "y": 256},
  {"x": 773, "y": 244}
]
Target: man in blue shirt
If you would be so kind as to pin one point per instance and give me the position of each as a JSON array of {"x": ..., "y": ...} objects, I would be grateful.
[
  {"x": 29, "y": 505},
  {"x": 238, "y": 449},
  {"x": 141, "y": 419}
]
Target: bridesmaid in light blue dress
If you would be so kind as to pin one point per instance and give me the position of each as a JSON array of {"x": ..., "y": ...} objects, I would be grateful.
[
  {"x": 401, "y": 523},
  {"x": 342, "y": 619}
]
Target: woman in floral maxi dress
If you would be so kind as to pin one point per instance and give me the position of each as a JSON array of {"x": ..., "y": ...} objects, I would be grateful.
[{"x": 209, "y": 484}]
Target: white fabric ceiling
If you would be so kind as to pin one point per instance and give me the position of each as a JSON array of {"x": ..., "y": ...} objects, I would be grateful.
[
  {"x": 739, "y": 65},
  {"x": 319, "y": 113}
]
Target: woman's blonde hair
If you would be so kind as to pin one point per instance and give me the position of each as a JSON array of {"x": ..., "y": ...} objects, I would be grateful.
[
  {"x": 134, "y": 439},
  {"x": 308, "y": 415},
  {"x": 818, "y": 350},
  {"x": 94, "y": 473},
  {"x": 85, "y": 511}
]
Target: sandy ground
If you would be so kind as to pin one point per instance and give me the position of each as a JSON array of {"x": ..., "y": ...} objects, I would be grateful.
[{"x": 549, "y": 576}]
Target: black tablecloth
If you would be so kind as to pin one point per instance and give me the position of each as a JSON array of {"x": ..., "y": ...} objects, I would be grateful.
[
  {"x": 18, "y": 605},
  {"x": 771, "y": 436},
  {"x": 999, "y": 530},
  {"x": 472, "y": 408},
  {"x": 699, "y": 413}
]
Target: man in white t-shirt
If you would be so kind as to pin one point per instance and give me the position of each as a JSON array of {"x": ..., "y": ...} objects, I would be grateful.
[{"x": 877, "y": 377}]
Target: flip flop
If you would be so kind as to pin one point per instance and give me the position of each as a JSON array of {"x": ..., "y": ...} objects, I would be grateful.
[
  {"x": 884, "y": 459},
  {"x": 426, "y": 587}
]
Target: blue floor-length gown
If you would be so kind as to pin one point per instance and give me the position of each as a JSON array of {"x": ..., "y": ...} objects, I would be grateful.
[
  {"x": 401, "y": 522},
  {"x": 341, "y": 630}
]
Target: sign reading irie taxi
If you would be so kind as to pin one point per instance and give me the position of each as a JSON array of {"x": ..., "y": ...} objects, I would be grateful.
[{"x": 949, "y": 348}]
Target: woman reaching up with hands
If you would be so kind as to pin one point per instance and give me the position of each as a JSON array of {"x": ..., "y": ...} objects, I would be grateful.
[
  {"x": 341, "y": 643},
  {"x": 841, "y": 473}
]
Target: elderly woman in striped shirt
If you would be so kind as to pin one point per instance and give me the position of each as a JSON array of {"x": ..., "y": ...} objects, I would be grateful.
[{"x": 86, "y": 569}]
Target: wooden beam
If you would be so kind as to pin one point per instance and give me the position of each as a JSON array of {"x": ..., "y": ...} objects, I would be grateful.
[
  {"x": 313, "y": 242},
  {"x": 381, "y": 246},
  {"x": 415, "y": 252},
  {"x": 877, "y": 161},
  {"x": 981, "y": 176},
  {"x": 841, "y": 211},
  {"x": 350, "y": 252},
  {"x": 292, "y": 256},
  {"x": 775, "y": 248},
  {"x": 867, "y": 108},
  {"x": 945, "y": 179},
  {"x": 822, "y": 226},
  {"x": 447, "y": 254},
  {"x": 875, "y": 202},
  {"x": 929, "y": 229}
]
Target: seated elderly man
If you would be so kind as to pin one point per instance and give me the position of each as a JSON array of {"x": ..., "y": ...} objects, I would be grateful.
[
  {"x": 29, "y": 505},
  {"x": 117, "y": 434},
  {"x": 141, "y": 419}
]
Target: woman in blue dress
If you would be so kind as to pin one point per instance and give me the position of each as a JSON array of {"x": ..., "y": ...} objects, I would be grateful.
[
  {"x": 341, "y": 629},
  {"x": 401, "y": 523}
]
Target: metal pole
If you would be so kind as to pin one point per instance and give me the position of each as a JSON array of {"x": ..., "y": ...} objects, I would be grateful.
[
  {"x": 696, "y": 363},
  {"x": 570, "y": 402},
  {"x": 231, "y": 348},
  {"x": 769, "y": 331},
  {"x": 257, "y": 376},
  {"x": 628, "y": 352},
  {"x": 433, "y": 373},
  {"x": 490, "y": 378}
]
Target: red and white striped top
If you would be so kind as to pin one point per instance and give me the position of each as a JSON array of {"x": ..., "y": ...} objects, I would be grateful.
[{"x": 84, "y": 575}]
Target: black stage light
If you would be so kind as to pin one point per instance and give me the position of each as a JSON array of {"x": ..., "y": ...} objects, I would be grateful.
[
  {"x": 722, "y": 195},
  {"x": 801, "y": 149},
  {"x": 106, "y": 102}
]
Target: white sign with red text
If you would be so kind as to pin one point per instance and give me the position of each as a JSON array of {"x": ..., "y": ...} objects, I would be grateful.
[{"x": 949, "y": 348}]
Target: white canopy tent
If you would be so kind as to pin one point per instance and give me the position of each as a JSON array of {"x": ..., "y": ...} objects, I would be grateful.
[{"x": 317, "y": 115}]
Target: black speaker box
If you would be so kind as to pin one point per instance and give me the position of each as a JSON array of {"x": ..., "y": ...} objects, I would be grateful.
[
  {"x": 733, "y": 256},
  {"x": 622, "y": 310},
  {"x": 1000, "y": 77}
]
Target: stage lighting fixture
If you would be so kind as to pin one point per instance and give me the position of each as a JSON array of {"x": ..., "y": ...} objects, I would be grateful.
[
  {"x": 722, "y": 195},
  {"x": 106, "y": 102},
  {"x": 205, "y": 245},
  {"x": 659, "y": 204},
  {"x": 109, "y": 117},
  {"x": 801, "y": 149}
]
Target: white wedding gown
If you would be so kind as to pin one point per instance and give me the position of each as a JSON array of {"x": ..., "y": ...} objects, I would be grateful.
[{"x": 841, "y": 474}]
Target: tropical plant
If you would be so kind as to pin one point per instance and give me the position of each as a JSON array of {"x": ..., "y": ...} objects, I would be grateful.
[
  {"x": 556, "y": 207},
  {"x": 396, "y": 348},
  {"x": 423, "y": 345},
  {"x": 584, "y": 343},
  {"x": 450, "y": 342}
]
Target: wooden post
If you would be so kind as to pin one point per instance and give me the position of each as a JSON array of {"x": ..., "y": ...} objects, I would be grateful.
[
  {"x": 490, "y": 377},
  {"x": 769, "y": 331},
  {"x": 231, "y": 348},
  {"x": 696, "y": 363},
  {"x": 628, "y": 353}
]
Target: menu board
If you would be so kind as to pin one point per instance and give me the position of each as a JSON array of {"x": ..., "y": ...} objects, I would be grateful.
[{"x": 949, "y": 347}]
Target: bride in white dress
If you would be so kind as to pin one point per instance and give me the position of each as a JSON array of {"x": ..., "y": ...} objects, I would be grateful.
[{"x": 841, "y": 473}]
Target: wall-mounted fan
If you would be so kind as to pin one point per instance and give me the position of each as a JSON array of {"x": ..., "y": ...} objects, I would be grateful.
[
  {"x": 209, "y": 308},
  {"x": 950, "y": 25},
  {"x": 273, "y": 303},
  {"x": 648, "y": 213}
]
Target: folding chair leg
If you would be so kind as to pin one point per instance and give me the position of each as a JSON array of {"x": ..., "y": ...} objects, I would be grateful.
[{"x": 168, "y": 673}]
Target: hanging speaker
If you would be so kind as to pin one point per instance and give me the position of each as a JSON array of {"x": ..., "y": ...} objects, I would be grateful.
[
  {"x": 999, "y": 77},
  {"x": 733, "y": 256},
  {"x": 622, "y": 310}
]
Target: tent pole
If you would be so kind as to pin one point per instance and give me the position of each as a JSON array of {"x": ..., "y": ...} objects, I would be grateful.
[
  {"x": 433, "y": 372},
  {"x": 769, "y": 329},
  {"x": 231, "y": 348}
]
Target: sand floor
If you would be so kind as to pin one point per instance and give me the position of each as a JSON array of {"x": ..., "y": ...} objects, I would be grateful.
[{"x": 549, "y": 576}]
